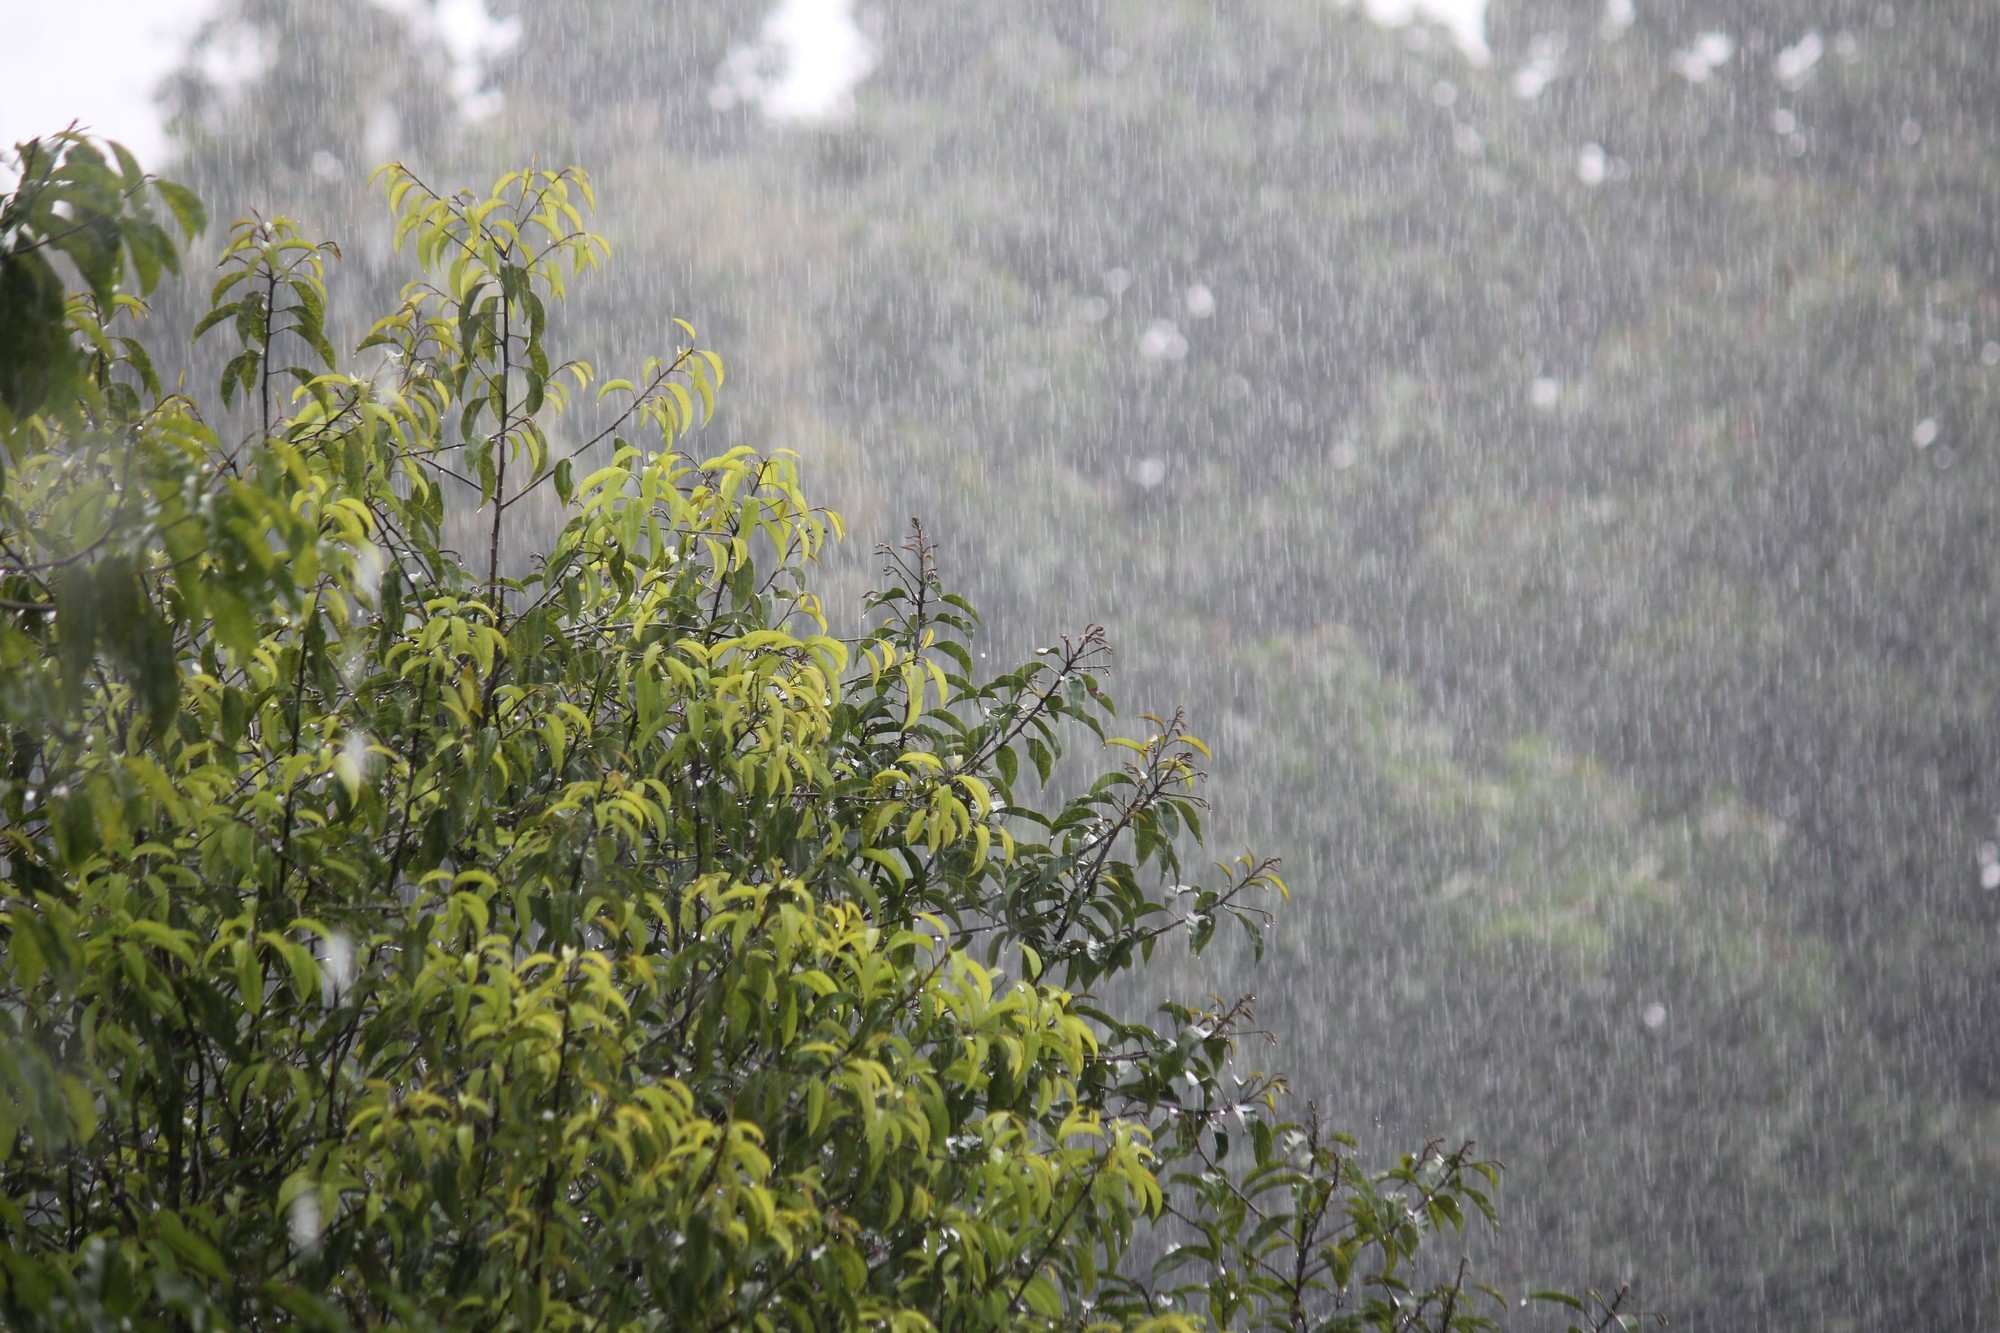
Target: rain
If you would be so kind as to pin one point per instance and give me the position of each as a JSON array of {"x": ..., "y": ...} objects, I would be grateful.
[{"x": 1552, "y": 451}]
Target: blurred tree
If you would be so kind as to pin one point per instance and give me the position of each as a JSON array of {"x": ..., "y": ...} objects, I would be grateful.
[
  {"x": 297, "y": 101},
  {"x": 623, "y": 68}
]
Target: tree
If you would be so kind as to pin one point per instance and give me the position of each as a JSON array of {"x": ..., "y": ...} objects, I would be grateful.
[
  {"x": 1669, "y": 688},
  {"x": 399, "y": 937}
]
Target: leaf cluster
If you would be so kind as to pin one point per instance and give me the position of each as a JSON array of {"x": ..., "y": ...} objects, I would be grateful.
[{"x": 73, "y": 203}]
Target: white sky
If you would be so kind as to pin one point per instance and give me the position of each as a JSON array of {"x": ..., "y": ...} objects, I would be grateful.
[
  {"x": 804, "y": 65},
  {"x": 99, "y": 61},
  {"x": 1465, "y": 18}
]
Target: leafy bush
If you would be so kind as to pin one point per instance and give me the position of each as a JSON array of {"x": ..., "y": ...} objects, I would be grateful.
[{"x": 583, "y": 938}]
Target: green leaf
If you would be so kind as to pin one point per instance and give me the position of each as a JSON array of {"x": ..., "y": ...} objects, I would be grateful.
[
  {"x": 185, "y": 205},
  {"x": 190, "y": 1247},
  {"x": 219, "y": 315},
  {"x": 37, "y": 361},
  {"x": 1043, "y": 759},
  {"x": 1008, "y": 763}
]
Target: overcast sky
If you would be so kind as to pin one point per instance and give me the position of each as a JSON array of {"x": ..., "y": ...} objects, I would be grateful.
[{"x": 99, "y": 61}]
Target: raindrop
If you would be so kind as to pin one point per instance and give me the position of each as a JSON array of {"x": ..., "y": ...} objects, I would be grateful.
[
  {"x": 1444, "y": 93},
  {"x": 336, "y": 967},
  {"x": 1544, "y": 392},
  {"x": 1926, "y": 433},
  {"x": 1200, "y": 301},
  {"x": 1163, "y": 341},
  {"x": 1784, "y": 122},
  {"x": 326, "y": 166},
  {"x": 1592, "y": 165},
  {"x": 1618, "y": 16},
  {"x": 304, "y": 1221},
  {"x": 1092, "y": 309},
  {"x": 1794, "y": 65},
  {"x": 1655, "y": 1014},
  {"x": 1989, "y": 865},
  {"x": 1709, "y": 51},
  {"x": 1467, "y": 141},
  {"x": 369, "y": 564},
  {"x": 1116, "y": 280},
  {"x": 1344, "y": 456},
  {"x": 1149, "y": 472},
  {"x": 1715, "y": 47},
  {"x": 1910, "y": 132},
  {"x": 1544, "y": 62},
  {"x": 1989, "y": 355}
]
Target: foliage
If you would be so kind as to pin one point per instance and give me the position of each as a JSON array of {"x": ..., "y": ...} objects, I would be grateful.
[
  {"x": 397, "y": 938},
  {"x": 1603, "y": 425},
  {"x": 1539, "y": 513},
  {"x": 72, "y": 202}
]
